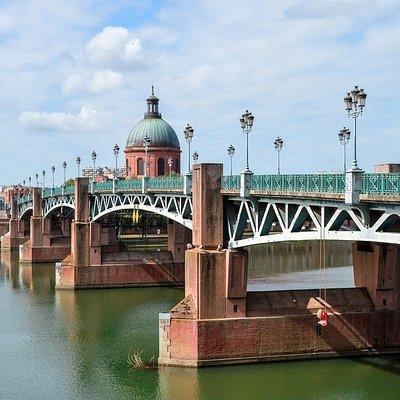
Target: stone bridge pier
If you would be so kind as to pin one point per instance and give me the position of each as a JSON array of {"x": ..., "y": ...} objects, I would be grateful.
[
  {"x": 99, "y": 260},
  {"x": 18, "y": 230},
  {"x": 219, "y": 322},
  {"x": 44, "y": 243}
]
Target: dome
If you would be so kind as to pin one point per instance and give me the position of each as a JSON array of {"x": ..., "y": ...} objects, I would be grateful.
[{"x": 160, "y": 133}]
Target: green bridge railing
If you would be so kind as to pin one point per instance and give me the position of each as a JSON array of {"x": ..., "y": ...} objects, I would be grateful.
[
  {"x": 371, "y": 183},
  {"x": 381, "y": 184}
]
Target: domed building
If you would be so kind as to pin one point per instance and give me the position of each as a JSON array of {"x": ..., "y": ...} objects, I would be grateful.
[{"x": 163, "y": 145}]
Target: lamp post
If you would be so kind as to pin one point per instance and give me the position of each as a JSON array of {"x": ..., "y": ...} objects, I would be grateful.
[
  {"x": 246, "y": 123},
  {"x": 170, "y": 162},
  {"x": 78, "y": 163},
  {"x": 94, "y": 156},
  {"x": 64, "y": 165},
  {"x": 278, "y": 143},
  {"x": 116, "y": 152},
  {"x": 188, "y": 132},
  {"x": 195, "y": 157},
  {"x": 37, "y": 179},
  {"x": 30, "y": 182},
  {"x": 355, "y": 103},
  {"x": 344, "y": 137},
  {"x": 44, "y": 179},
  {"x": 146, "y": 144},
  {"x": 53, "y": 169},
  {"x": 231, "y": 152}
]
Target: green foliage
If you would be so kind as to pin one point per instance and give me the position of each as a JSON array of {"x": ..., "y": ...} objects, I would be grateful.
[{"x": 70, "y": 182}]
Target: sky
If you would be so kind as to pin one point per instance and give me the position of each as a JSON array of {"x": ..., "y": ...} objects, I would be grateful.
[{"x": 74, "y": 77}]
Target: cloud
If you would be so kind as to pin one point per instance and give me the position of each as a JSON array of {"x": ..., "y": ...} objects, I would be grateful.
[
  {"x": 87, "y": 119},
  {"x": 113, "y": 45},
  {"x": 102, "y": 81},
  {"x": 105, "y": 81},
  {"x": 73, "y": 84}
]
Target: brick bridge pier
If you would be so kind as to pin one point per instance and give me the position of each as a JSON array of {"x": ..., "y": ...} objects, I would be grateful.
[{"x": 220, "y": 322}]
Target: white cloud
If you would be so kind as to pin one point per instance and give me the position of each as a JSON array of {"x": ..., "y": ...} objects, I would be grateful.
[
  {"x": 104, "y": 81},
  {"x": 74, "y": 83},
  {"x": 87, "y": 119},
  {"x": 113, "y": 45}
]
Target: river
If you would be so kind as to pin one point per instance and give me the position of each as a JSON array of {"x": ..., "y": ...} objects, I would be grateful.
[{"x": 75, "y": 345}]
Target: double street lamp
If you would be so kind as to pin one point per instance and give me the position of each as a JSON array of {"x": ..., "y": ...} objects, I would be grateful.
[
  {"x": 278, "y": 144},
  {"x": 344, "y": 137},
  {"x": 246, "y": 123},
  {"x": 355, "y": 103},
  {"x": 94, "y": 156},
  {"x": 44, "y": 179},
  {"x": 64, "y": 165},
  {"x": 231, "y": 152},
  {"x": 53, "y": 169},
  {"x": 170, "y": 162},
  {"x": 78, "y": 163},
  {"x": 116, "y": 152},
  {"x": 146, "y": 144},
  {"x": 188, "y": 132}
]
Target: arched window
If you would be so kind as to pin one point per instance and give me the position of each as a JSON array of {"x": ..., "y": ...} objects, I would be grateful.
[
  {"x": 140, "y": 166},
  {"x": 177, "y": 167},
  {"x": 160, "y": 167}
]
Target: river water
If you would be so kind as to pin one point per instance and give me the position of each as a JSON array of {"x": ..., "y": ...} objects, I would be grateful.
[{"x": 75, "y": 345}]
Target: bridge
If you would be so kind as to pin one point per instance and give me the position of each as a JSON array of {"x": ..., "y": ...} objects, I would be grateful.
[
  {"x": 276, "y": 208},
  {"x": 213, "y": 219}
]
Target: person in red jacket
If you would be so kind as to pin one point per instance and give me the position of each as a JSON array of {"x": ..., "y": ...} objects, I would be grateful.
[{"x": 323, "y": 321}]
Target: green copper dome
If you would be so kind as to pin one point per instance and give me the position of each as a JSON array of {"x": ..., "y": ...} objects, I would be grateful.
[{"x": 160, "y": 133}]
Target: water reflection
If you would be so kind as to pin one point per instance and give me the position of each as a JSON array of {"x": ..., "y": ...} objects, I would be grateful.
[
  {"x": 74, "y": 344},
  {"x": 296, "y": 265},
  {"x": 10, "y": 270}
]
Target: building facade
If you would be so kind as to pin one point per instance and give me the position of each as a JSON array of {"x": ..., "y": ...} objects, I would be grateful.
[{"x": 163, "y": 150}]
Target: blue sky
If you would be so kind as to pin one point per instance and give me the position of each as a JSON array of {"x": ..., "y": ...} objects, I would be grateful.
[{"x": 74, "y": 76}]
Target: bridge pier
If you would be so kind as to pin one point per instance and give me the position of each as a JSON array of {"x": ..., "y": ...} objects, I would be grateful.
[
  {"x": 99, "y": 260},
  {"x": 377, "y": 268},
  {"x": 17, "y": 230},
  {"x": 42, "y": 247},
  {"x": 219, "y": 322}
]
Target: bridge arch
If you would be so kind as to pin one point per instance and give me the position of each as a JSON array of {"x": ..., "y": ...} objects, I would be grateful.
[{"x": 127, "y": 207}]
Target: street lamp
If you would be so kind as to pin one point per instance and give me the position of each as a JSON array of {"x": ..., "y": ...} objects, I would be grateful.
[
  {"x": 37, "y": 179},
  {"x": 30, "y": 182},
  {"x": 53, "y": 169},
  {"x": 278, "y": 143},
  {"x": 170, "y": 162},
  {"x": 231, "y": 152},
  {"x": 78, "y": 163},
  {"x": 44, "y": 179},
  {"x": 195, "y": 157},
  {"x": 116, "y": 151},
  {"x": 64, "y": 165},
  {"x": 94, "y": 156},
  {"x": 344, "y": 137},
  {"x": 246, "y": 123},
  {"x": 146, "y": 144},
  {"x": 355, "y": 103},
  {"x": 188, "y": 137}
]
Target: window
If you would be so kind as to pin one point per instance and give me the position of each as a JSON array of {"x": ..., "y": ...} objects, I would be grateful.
[
  {"x": 140, "y": 166},
  {"x": 177, "y": 168},
  {"x": 160, "y": 167}
]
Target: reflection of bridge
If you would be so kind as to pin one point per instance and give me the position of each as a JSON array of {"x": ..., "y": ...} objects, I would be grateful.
[{"x": 226, "y": 214}]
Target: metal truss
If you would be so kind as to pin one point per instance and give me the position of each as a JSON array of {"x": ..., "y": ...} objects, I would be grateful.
[
  {"x": 50, "y": 204},
  {"x": 173, "y": 206},
  {"x": 266, "y": 220}
]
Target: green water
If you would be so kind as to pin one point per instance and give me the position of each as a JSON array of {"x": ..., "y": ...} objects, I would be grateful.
[{"x": 75, "y": 345}]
